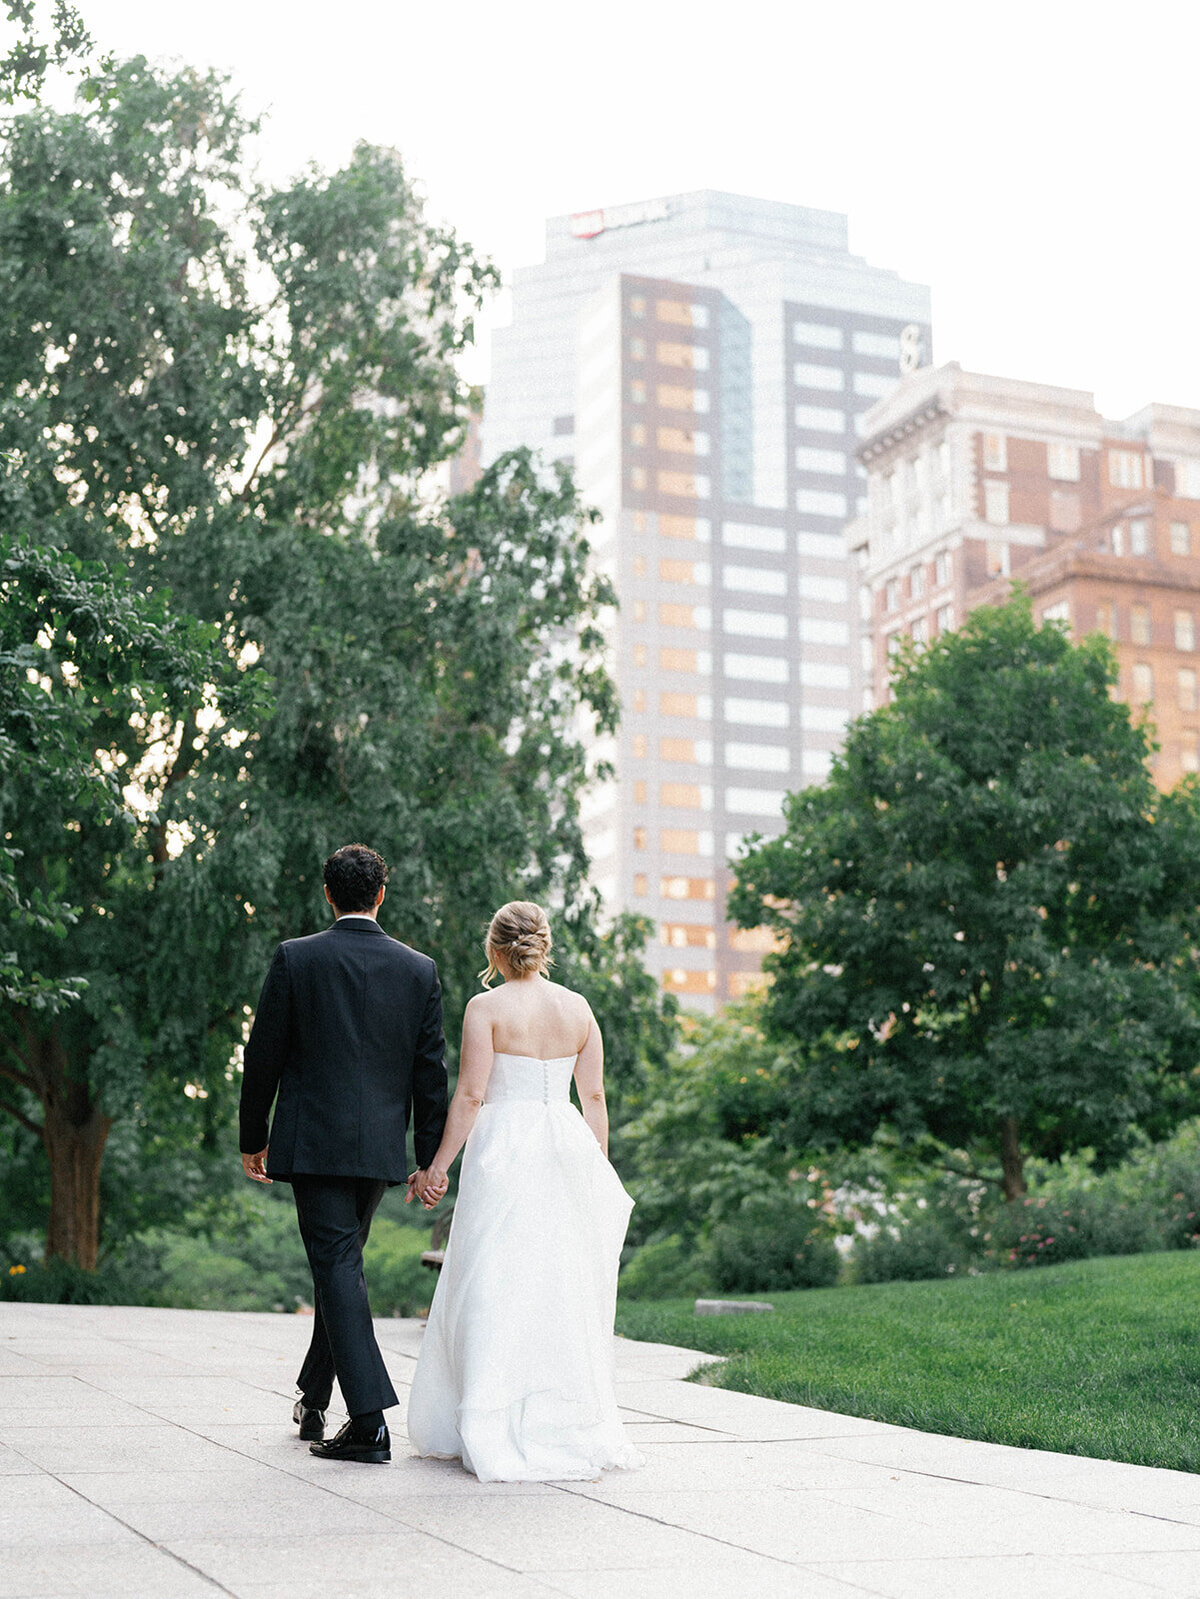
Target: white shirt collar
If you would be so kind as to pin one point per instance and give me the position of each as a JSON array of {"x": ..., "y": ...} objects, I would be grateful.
[{"x": 357, "y": 916}]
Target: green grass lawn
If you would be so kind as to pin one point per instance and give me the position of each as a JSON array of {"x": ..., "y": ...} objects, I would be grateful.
[{"x": 1101, "y": 1357}]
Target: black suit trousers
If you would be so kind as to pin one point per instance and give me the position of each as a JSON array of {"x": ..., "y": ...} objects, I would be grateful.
[{"x": 335, "y": 1218}]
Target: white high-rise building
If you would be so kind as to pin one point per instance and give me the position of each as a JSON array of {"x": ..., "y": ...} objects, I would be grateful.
[{"x": 703, "y": 361}]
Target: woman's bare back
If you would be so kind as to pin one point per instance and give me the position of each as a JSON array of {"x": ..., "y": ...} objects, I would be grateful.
[{"x": 536, "y": 1017}]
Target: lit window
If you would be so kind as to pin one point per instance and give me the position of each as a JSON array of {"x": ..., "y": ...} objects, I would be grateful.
[
  {"x": 916, "y": 582},
  {"x": 682, "y": 442},
  {"x": 679, "y": 981},
  {"x": 678, "y": 571},
  {"x": 637, "y": 478},
  {"x": 637, "y": 434},
  {"x": 1062, "y": 462},
  {"x": 1139, "y": 624},
  {"x": 1181, "y": 538},
  {"x": 640, "y": 886},
  {"x": 1185, "y": 630},
  {"x": 687, "y": 485},
  {"x": 679, "y": 841},
  {"x": 639, "y": 838},
  {"x": 694, "y": 356},
  {"x": 1106, "y": 619},
  {"x": 995, "y": 452},
  {"x": 1139, "y": 537},
  {"x": 671, "y": 660},
  {"x": 684, "y": 527},
  {"x": 674, "y": 397},
  {"x": 995, "y": 503},
  {"x": 693, "y": 616},
  {"x": 1125, "y": 469},
  {"x": 753, "y": 940},
  {"x": 639, "y": 791},
  {"x": 686, "y": 796},
  {"x": 1143, "y": 683},
  {"x": 687, "y": 935},
  {"x": 997, "y": 555},
  {"x": 687, "y": 888},
  {"x": 679, "y": 749},
  {"x": 1185, "y": 689},
  {"x": 679, "y": 704},
  {"x": 941, "y": 568},
  {"x": 678, "y": 311}
]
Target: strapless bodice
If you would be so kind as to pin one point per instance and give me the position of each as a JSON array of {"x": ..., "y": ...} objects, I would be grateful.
[{"x": 526, "y": 1077}]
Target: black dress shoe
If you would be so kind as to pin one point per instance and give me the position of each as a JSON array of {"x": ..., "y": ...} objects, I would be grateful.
[
  {"x": 371, "y": 1445},
  {"x": 310, "y": 1422}
]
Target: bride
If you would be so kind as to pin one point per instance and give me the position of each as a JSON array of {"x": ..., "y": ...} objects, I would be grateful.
[{"x": 516, "y": 1371}]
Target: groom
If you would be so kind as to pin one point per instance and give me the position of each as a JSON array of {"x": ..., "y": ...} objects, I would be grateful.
[{"x": 349, "y": 1034}]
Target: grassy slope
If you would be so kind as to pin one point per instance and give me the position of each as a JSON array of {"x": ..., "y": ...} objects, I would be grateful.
[{"x": 1101, "y": 1357}]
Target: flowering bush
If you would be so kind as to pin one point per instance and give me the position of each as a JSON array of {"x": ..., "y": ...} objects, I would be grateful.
[{"x": 1044, "y": 1229}]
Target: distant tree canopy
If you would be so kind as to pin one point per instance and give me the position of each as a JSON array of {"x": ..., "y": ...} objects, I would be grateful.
[
  {"x": 229, "y": 401},
  {"x": 988, "y": 915}
]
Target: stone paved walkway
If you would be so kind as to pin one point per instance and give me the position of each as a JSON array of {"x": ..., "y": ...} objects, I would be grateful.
[{"x": 148, "y": 1454}]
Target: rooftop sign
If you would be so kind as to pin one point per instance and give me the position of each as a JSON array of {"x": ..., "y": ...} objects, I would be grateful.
[{"x": 587, "y": 224}]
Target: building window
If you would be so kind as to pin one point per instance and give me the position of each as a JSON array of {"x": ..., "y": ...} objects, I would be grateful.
[
  {"x": 687, "y": 935},
  {"x": 1185, "y": 630},
  {"x": 810, "y": 459},
  {"x": 679, "y": 704},
  {"x": 1143, "y": 683},
  {"x": 821, "y": 502},
  {"x": 755, "y": 580},
  {"x": 1106, "y": 619},
  {"x": 1139, "y": 624},
  {"x": 637, "y": 479},
  {"x": 1187, "y": 480},
  {"x": 639, "y": 610},
  {"x": 637, "y": 434},
  {"x": 682, "y": 750},
  {"x": 920, "y": 630},
  {"x": 874, "y": 384},
  {"x": 757, "y": 757},
  {"x": 687, "y": 888},
  {"x": 681, "y": 312},
  {"x": 679, "y": 841},
  {"x": 1185, "y": 689},
  {"x": 755, "y": 801},
  {"x": 1125, "y": 469},
  {"x": 945, "y": 618},
  {"x": 687, "y": 485},
  {"x": 637, "y": 392},
  {"x": 1181, "y": 538},
  {"x": 637, "y": 349},
  {"x": 756, "y": 668},
  {"x": 893, "y": 644},
  {"x": 995, "y": 503},
  {"x": 639, "y": 791},
  {"x": 639, "y": 566},
  {"x": 639, "y": 838},
  {"x": 1118, "y": 538},
  {"x": 756, "y": 713},
  {"x": 639, "y": 522},
  {"x": 820, "y": 419},
  {"x": 997, "y": 556},
  {"x": 693, "y": 616},
  {"x": 1065, "y": 512},
  {"x": 1139, "y": 536},
  {"x": 1062, "y": 462},
  {"x": 916, "y": 582},
  {"x": 808, "y": 375},
  {"x": 694, "y": 356},
  {"x": 685, "y": 796},
  {"x": 886, "y": 346},
  {"x": 941, "y": 568},
  {"x": 639, "y": 650},
  {"x": 639, "y": 700},
  {"x": 1189, "y": 752},
  {"x": 995, "y": 452},
  {"x": 637, "y": 306},
  {"x": 681, "y": 441},
  {"x": 672, "y": 660},
  {"x": 756, "y": 624},
  {"x": 639, "y": 746},
  {"x": 818, "y": 334},
  {"x": 640, "y": 886}
]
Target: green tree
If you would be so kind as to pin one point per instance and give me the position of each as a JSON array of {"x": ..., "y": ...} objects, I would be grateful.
[
  {"x": 988, "y": 913},
  {"x": 236, "y": 398}
]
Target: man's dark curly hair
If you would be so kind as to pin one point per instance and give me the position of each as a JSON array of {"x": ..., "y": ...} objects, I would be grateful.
[{"x": 354, "y": 875}]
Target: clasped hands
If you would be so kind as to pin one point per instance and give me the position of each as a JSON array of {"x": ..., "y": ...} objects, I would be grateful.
[{"x": 428, "y": 1185}]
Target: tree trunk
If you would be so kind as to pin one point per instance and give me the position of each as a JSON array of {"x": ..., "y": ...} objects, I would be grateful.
[
  {"x": 74, "y": 1132},
  {"x": 1011, "y": 1158}
]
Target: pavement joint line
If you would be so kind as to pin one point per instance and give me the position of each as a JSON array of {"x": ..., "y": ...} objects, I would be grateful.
[{"x": 112, "y": 1516}]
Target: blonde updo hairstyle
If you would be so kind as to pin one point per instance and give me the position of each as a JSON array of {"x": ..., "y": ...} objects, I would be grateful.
[{"x": 519, "y": 934}]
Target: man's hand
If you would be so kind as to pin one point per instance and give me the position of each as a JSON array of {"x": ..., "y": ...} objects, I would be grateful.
[
  {"x": 427, "y": 1186},
  {"x": 255, "y": 1166}
]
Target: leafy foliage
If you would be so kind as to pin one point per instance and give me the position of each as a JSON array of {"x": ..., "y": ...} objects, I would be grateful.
[{"x": 987, "y": 915}]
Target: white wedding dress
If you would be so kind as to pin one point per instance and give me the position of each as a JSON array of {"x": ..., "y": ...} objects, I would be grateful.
[{"x": 516, "y": 1370}]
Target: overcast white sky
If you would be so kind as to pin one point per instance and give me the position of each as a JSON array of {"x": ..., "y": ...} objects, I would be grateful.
[{"x": 1033, "y": 162}]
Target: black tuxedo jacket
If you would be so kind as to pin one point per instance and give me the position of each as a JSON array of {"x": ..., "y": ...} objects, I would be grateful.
[{"x": 349, "y": 1034}]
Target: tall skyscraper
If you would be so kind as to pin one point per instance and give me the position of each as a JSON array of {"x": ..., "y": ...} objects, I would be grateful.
[
  {"x": 704, "y": 361},
  {"x": 975, "y": 481}
]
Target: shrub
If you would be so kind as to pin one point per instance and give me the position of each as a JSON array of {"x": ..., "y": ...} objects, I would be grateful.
[
  {"x": 910, "y": 1252},
  {"x": 774, "y": 1240},
  {"x": 196, "y": 1276},
  {"x": 665, "y": 1269},
  {"x": 399, "y": 1285},
  {"x": 1045, "y": 1229}
]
